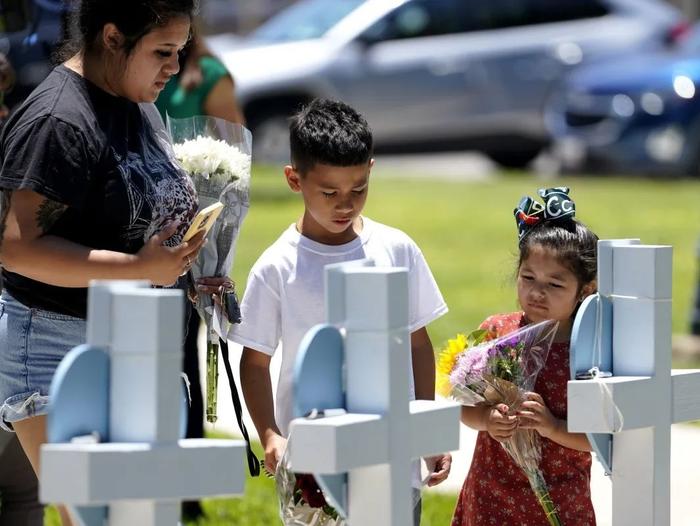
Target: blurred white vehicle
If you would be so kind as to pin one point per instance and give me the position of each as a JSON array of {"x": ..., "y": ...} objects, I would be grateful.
[{"x": 432, "y": 74}]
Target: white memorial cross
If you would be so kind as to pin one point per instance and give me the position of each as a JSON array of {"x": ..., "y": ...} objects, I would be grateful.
[
  {"x": 644, "y": 397},
  {"x": 383, "y": 430},
  {"x": 144, "y": 470}
]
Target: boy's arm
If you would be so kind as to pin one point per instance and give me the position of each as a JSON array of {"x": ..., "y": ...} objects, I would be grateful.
[
  {"x": 423, "y": 359},
  {"x": 257, "y": 391}
]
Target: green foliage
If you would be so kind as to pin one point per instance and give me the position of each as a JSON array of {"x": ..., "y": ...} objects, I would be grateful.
[
  {"x": 51, "y": 517},
  {"x": 506, "y": 369},
  {"x": 508, "y": 363},
  {"x": 476, "y": 337}
]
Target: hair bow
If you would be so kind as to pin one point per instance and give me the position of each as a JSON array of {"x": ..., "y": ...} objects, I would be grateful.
[{"x": 557, "y": 206}]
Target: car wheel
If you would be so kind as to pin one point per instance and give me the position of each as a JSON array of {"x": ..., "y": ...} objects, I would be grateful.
[
  {"x": 519, "y": 158},
  {"x": 271, "y": 138}
]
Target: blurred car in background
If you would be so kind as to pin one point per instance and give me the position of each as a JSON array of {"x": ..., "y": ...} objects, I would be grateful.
[
  {"x": 235, "y": 16},
  {"x": 639, "y": 113},
  {"x": 433, "y": 74},
  {"x": 29, "y": 33}
]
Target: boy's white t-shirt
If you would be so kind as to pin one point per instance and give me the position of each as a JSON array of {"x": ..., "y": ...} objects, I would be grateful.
[{"x": 284, "y": 296}]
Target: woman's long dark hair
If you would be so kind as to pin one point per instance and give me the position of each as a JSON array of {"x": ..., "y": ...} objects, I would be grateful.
[{"x": 133, "y": 18}]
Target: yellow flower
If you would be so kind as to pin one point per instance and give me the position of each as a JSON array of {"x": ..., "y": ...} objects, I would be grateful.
[{"x": 446, "y": 362}]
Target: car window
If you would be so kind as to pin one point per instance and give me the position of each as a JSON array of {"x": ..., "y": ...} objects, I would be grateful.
[
  {"x": 305, "y": 20},
  {"x": 499, "y": 14},
  {"x": 547, "y": 11},
  {"x": 423, "y": 18}
]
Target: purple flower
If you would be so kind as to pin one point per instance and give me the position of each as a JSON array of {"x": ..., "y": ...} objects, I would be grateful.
[
  {"x": 470, "y": 366},
  {"x": 513, "y": 341}
]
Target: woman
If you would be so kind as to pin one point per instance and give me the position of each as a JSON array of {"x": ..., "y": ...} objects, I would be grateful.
[
  {"x": 202, "y": 87},
  {"x": 89, "y": 191}
]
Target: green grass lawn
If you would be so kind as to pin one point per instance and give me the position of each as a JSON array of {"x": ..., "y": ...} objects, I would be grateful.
[
  {"x": 467, "y": 233},
  {"x": 259, "y": 506}
]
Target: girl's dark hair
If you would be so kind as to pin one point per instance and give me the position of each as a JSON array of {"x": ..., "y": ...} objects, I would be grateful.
[
  {"x": 575, "y": 246},
  {"x": 134, "y": 18}
]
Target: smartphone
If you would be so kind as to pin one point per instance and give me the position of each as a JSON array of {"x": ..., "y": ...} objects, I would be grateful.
[{"x": 204, "y": 220}]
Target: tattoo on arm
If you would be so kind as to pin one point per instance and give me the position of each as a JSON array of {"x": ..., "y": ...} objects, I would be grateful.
[
  {"x": 48, "y": 213},
  {"x": 4, "y": 210}
]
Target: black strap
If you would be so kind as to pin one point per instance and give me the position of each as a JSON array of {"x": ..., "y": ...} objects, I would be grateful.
[{"x": 253, "y": 462}]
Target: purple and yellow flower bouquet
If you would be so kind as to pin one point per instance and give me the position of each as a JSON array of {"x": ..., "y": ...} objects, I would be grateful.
[{"x": 478, "y": 369}]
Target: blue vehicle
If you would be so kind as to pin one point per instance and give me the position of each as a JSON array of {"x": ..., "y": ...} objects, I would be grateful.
[
  {"x": 636, "y": 113},
  {"x": 29, "y": 33}
]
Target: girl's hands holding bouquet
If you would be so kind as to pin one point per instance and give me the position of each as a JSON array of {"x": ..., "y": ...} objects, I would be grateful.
[
  {"x": 499, "y": 425},
  {"x": 535, "y": 414}
]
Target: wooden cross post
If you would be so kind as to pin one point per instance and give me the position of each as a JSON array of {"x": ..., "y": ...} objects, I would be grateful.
[
  {"x": 382, "y": 431},
  {"x": 627, "y": 328},
  {"x": 122, "y": 397}
]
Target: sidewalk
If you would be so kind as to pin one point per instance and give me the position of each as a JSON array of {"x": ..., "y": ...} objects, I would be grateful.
[{"x": 685, "y": 455}]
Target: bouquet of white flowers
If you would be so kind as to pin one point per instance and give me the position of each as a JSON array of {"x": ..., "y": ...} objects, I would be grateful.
[
  {"x": 213, "y": 162},
  {"x": 217, "y": 155}
]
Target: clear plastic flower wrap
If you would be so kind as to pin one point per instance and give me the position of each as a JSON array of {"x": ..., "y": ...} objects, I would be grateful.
[
  {"x": 302, "y": 502},
  {"x": 476, "y": 369},
  {"x": 217, "y": 155}
]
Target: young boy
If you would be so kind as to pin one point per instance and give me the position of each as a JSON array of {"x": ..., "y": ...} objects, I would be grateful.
[{"x": 331, "y": 153}]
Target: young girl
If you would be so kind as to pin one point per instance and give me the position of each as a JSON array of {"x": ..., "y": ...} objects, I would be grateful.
[{"x": 556, "y": 271}]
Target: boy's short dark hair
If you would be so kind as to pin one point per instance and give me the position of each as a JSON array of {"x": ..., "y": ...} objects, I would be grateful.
[{"x": 328, "y": 132}]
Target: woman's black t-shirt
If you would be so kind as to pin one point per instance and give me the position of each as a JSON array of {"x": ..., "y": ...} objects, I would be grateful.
[{"x": 108, "y": 159}]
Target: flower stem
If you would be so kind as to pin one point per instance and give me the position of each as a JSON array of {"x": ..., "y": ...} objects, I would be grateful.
[
  {"x": 212, "y": 379},
  {"x": 539, "y": 486}
]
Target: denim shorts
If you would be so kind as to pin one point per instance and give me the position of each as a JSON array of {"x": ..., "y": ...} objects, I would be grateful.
[{"x": 32, "y": 344}]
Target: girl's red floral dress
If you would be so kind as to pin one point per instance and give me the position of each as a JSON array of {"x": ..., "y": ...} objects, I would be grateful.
[{"x": 496, "y": 492}]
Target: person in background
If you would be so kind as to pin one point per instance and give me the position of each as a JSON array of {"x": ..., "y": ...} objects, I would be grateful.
[
  {"x": 202, "y": 87},
  {"x": 7, "y": 81},
  {"x": 19, "y": 487}
]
